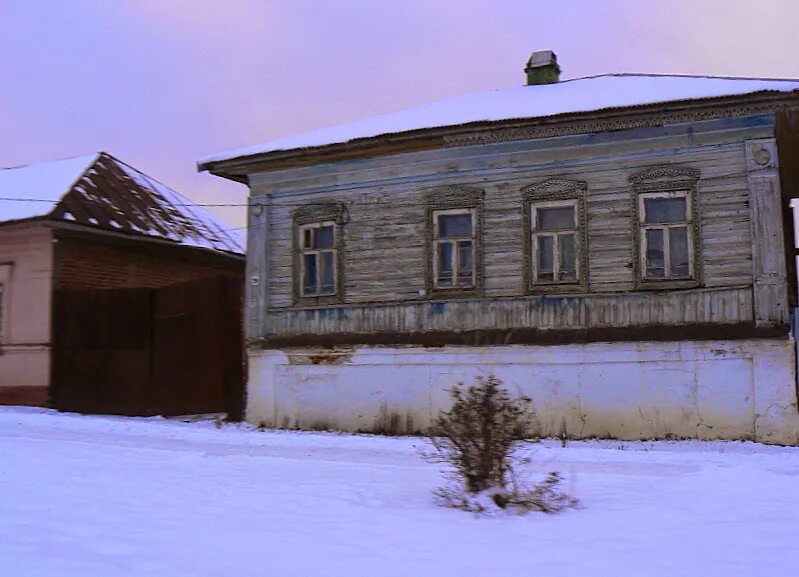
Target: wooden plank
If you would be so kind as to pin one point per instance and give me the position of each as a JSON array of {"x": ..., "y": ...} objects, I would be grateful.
[
  {"x": 259, "y": 261},
  {"x": 712, "y": 132},
  {"x": 101, "y": 347},
  {"x": 174, "y": 350},
  {"x": 384, "y": 238},
  {"x": 724, "y": 305},
  {"x": 768, "y": 252}
]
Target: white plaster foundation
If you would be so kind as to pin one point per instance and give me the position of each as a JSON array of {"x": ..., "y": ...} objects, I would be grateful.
[{"x": 741, "y": 389}]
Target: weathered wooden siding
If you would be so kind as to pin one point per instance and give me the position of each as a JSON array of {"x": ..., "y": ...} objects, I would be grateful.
[
  {"x": 768, "y": 248},
  {"x": 723, "y": 306},
  {"x": 385, "y": 231}
]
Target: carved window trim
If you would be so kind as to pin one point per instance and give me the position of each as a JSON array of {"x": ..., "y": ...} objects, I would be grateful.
[
  {"x": 308, "y": 233},
  {"x": 555, "y": 192},
  {"x": 666, "y": 181},
  {"x": 451, "y": 198},
  {"x": 312, "y": 216},
  {"x": 456, "y": 242}
]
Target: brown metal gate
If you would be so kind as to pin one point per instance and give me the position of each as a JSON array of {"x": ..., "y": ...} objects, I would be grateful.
[{"x": 168, "y": 351}]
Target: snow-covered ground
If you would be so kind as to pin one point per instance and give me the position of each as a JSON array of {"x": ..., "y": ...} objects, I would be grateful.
[{"x": 104, "y": 496}]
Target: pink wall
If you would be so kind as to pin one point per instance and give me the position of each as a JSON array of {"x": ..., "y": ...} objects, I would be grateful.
[{"x": 26, "y": 267}]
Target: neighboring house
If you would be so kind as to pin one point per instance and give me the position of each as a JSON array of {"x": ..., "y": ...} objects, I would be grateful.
[
  {"x": 74, "y": 226},
  {"x": 612, "y": 246}
]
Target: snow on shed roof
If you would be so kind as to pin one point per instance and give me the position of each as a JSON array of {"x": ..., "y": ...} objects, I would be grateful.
[
  {"x": 47, "y": 181},
  {"x": 173, "y": 216},
  {"x": 569, "y": 96},
  {"x": 102, "y": 192}
]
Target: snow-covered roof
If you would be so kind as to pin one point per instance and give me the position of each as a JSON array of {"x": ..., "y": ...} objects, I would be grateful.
[
  {"x": 100, "y": 191},
  {"x": 47, "y": 181},
  {"x": 565, "y": 97}
]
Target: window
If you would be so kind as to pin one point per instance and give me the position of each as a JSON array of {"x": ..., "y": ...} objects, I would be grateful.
[
  {"x": 318, "y": 259},
  {"x": 555, "y": 240},
  {"x": 318, "y": 252},
  {"x": 453, "y": 248},
  {"x": 454, "y": 229},
  {"x": 666, "y": 229},
  {"x": 666, "y": 235}
]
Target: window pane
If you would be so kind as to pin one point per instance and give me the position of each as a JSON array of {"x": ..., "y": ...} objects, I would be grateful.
[
  {"x": 678, "y": 251},
  {"x": 328, "y": 273},
  {"x": 445, "y": 264},
  {"x": 450, "y": 225},
  {"x": 546, "y": 259},
  {"x": 324, "y": 237},
  {"x": 664, "y": 210},
  {"x": 568, "y": 257},
  {"x": 307, "y": 238},
  {"x": 655, "y": 265},
  {"x": 465, "y": 263},
  {"x": 552, "y": 219},
  {"x": 309, "y": 274}
]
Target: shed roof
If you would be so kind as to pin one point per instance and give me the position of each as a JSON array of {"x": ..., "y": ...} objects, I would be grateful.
[
  {"x": 99, "y": 191},
  {"x": 45, "y": 182},
  {"x": 590, "y": 94}
]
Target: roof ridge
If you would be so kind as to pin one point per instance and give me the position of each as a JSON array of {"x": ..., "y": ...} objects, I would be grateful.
[
  {"x": 184, "y": 205},
  {"x": 94, "y": 158},
  {"x": 93, "y": 155},
  {"x": 677, "y": 75},
  {"x": 601, "y": 92}
]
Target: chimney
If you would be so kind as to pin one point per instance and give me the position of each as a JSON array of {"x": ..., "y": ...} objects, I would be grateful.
[{"x": 542, "y": 68}]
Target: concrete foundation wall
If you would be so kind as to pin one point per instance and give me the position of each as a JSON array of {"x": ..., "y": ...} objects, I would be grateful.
[{"x": 742, "y": 389}]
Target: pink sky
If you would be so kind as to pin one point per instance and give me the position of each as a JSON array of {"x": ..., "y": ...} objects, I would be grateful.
[{"x": 161, "y": 83}]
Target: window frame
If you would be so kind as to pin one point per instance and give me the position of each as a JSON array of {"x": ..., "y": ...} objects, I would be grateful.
[
  {"x": 665, "y": 226},
  {"x": 438, "y": 240},
  {"x": 313, "y": 216},
  {"x": 666, "y": 182},
  {"x": 453, "y": 199},
  {"x": 554, "y": 193},
  {"x": 536, "y": 234},
  {"x": 318, "y": 252}
]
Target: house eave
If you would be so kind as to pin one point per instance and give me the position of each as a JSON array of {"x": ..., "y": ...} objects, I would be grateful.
[
  {"x": 7, "y": 224},
  {"x": 483, "y": 132},
  {"x": 139, "y": 239}
]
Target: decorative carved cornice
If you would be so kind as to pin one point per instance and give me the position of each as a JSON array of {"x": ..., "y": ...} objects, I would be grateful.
[
  {"x": 550, "y": 127},
  {"x": 488, "y": 132},
  {"x": 318, "y": 211},
  {"x": 666, "y": 172},
  {"x": 454, "y": 197},
  {"x": 554, "y": 188}
]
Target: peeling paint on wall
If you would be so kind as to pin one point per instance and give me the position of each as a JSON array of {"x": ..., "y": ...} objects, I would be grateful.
[
  {"x": 322, "y": 356},
  {"x": 616, "y": 390}
]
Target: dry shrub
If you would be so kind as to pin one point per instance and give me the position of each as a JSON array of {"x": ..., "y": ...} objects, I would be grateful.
[{"x": 478, "y": 437}]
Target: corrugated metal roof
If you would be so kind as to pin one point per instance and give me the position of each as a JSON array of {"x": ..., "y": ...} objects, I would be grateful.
[
  {"x": 525, "y": 102},
  {"x": 103, "y": 192}
]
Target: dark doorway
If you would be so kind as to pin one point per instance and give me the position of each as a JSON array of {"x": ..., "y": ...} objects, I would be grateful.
[{"x": 168, "y": 351}]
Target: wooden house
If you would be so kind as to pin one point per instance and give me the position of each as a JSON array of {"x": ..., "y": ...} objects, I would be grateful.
[
  {"x": 100, "y": 267},
  {"x": 617, "y": 247}
]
